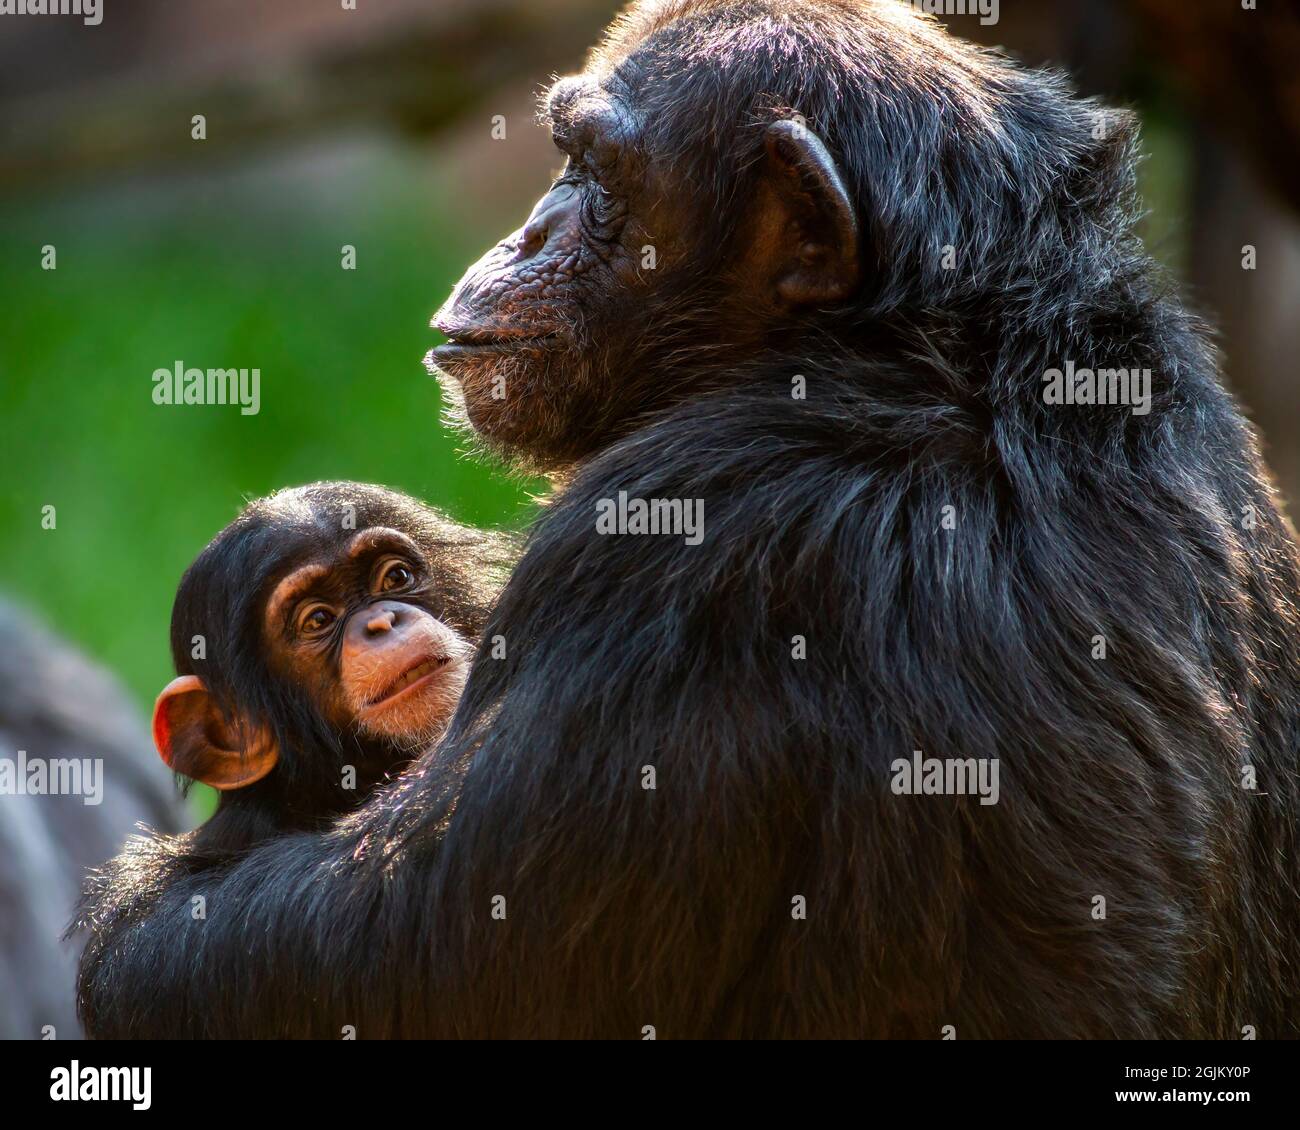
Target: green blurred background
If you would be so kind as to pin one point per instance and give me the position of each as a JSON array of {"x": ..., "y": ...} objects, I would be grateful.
[
  {"x": 375, "y": 129},
  {"x": 238, "y": 276},
  {"x": 232, "y": 279}
]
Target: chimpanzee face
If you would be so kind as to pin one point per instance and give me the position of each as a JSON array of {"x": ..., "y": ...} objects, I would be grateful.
[
  {"x": 353, "y": 628},
  {"x": 538, "y": 324},
  {"x": 347, "y": 631},
  {"x": 615, "y": 294}
]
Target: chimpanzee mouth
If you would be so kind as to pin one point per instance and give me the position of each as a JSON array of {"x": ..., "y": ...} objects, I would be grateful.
[
  {"x": 413, "y": 676},
  {"x": 469, "y": 342}
]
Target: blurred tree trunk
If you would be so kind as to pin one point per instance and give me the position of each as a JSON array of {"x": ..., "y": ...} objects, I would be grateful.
[
  {"x": 1258, "y": 311},
  {"x": 1240, "y": 69}
]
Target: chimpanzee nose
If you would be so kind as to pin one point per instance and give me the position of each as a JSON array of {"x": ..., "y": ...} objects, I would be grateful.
[
  {"x": 533, "y": 237},
  {"x": 547, "y": 213},
  {"x": 383, "y": 620}
]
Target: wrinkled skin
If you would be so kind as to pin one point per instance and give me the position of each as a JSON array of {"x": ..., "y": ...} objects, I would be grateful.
[
  {"x": 554, "y": 346},
  {"x": 526, "y": 318}
]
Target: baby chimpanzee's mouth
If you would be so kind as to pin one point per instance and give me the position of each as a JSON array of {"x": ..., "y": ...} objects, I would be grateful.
[{"x": 412, "y": 675}]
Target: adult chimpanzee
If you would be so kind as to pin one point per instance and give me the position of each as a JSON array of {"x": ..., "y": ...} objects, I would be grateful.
[
  {"x": 810, "y": 262},
  {"x": 321, "y": 640}
]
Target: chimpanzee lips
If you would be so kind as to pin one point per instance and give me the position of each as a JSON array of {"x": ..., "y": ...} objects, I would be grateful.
[
  {"x": 412, "y": 675},
  {"x": 467, "y": 340}
]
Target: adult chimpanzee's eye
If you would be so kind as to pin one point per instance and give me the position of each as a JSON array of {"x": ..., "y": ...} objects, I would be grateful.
[
  {"x": 315, "y": 620},
  {"x": 601, "y": 205},
  {"x": 396, "y": 576}
]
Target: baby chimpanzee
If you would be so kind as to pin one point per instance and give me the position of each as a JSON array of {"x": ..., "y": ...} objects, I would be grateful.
[{"x": 321, "y": 641}]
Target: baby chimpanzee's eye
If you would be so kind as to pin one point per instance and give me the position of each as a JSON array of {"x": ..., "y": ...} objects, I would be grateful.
[
  {"x": 315, "y": 620},
  {"x": 397, "y": 575}
]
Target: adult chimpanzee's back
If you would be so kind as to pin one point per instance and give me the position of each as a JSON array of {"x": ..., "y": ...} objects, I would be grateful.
[{"x": 973, "y": 699}]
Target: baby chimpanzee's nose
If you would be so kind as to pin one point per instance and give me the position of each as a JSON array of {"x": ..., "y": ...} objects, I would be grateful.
[{"x": 383, "y": 619}]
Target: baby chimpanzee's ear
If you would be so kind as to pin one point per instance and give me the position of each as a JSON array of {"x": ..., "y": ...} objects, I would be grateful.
[{"x": 193, "y": 738}]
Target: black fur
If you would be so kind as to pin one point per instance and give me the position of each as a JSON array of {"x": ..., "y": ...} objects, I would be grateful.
[{"x": 1120, "y": 777}]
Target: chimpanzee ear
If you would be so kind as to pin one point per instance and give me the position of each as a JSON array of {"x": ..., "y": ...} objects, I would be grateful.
[
  {"x": 818, "y": 228},
  {"x": 192, "y": 736}
]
